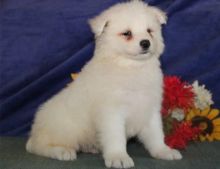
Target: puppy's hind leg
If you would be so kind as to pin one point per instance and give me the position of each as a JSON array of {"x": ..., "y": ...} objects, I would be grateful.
[
  {"x": 153, "y": 139},
  {"x": 57, "y": 151}
]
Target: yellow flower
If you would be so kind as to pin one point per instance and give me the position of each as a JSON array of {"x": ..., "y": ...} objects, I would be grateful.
[{"x": 208, "y": 120}]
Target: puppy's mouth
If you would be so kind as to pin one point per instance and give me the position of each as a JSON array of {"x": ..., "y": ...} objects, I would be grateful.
[
  {"x": 143, "y": 55},
  {"x": 144, "y": 52}
]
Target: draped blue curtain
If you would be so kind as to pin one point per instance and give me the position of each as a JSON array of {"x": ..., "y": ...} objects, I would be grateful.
[{"x": 42, "y": 42}]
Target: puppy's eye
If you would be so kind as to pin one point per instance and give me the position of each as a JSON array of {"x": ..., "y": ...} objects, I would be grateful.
[
  {"x": 149, "y": 30},
  {"x": 127, "y": 33}
]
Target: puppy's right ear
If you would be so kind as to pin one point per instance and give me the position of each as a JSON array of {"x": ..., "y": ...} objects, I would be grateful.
[
  {"x": 98, "y": 24},
  {"x": 161, "y": 16}
]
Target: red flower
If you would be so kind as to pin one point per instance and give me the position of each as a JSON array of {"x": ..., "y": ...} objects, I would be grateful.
[
  {"x": 181, "y": 135},
  {"x": 177, "y": 94}
]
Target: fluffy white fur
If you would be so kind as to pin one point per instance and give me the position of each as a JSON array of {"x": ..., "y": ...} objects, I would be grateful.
[{"x": 116, "y": 96}]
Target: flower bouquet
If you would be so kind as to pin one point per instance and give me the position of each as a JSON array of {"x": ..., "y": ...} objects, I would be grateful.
[{"x": 187, "y": 113}]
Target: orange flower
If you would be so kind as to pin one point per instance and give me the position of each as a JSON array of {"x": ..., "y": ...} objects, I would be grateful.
[{"x": 74, "y": 75}]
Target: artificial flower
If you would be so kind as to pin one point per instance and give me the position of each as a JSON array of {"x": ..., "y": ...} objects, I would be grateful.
[
  {"x": 177, "y": 94},
  {"x": 181, "y": 135},
  {"x": 208, "y": 120},
  {"x": 178, "y": 114},
  {"x": 203, "y": 97},
  {"x": 74, "y": 75}
]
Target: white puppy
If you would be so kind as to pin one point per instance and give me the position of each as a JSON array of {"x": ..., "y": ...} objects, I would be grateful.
[{"x": 117, "y": 95}]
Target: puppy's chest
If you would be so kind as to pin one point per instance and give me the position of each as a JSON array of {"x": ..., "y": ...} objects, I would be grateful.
[
  {"x": 139, "y": 86},
  {"x": 139, "y": 103},
  {"x": 141, "y": 95},
  {"x": 135, "y": 81}
]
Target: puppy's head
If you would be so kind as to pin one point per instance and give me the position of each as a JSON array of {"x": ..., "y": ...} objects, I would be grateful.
[{"x": 131, "y": 30}]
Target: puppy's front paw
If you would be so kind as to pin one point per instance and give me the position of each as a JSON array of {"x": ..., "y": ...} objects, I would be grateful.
[
  {"x": 167, "y": 153},
  {"x": 118, "y": 161},
  {"x": 62, "y": 153}
]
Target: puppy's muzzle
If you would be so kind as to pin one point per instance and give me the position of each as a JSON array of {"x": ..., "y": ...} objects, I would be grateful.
[{"x": 145, "y": 44}]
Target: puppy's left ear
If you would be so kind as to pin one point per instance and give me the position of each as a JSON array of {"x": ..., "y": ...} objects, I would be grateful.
[
  {"x": 161, "y": 16},
  {"x": 98, "y": 24}
]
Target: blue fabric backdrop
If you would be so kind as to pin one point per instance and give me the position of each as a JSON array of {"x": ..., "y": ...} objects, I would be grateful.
[{"x": 42, "y": 42}]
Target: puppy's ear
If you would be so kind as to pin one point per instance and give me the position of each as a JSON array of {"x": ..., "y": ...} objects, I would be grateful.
[
  {"x": 161, "y": 16},
  {"x": 98, "y": 24}
]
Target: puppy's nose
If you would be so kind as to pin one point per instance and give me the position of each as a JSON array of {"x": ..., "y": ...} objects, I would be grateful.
[{"x": 145, "y": 44}]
